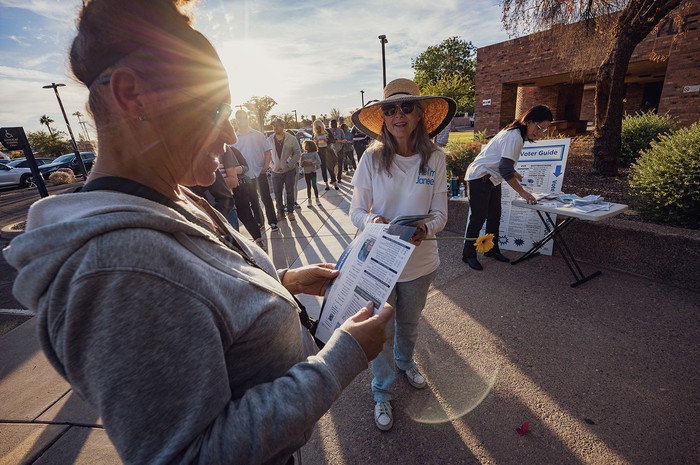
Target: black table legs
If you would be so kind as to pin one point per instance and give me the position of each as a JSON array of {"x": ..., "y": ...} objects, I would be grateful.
[{"x": 560, "y": 245}]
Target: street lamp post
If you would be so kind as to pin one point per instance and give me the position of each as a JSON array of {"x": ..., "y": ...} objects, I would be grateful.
[
  {"x": 81, "y": 165},
  {"x": 296, "y": 120},
  {"x": 362, "y": 94},
  {"x": 382, "y": 39}
]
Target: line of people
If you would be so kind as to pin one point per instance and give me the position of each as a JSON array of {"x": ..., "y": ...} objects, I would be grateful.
[{"x": 257, "y": 168}]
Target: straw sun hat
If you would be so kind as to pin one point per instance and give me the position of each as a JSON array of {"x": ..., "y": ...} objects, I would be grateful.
[{"x": 437, "y": 111}]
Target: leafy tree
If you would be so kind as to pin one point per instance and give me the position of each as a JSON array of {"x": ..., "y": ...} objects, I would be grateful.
[
  {"x": 48, "y": 144},
  {"x": 634, "y": 21},
  {"x": 260, "y": 107},
  {"x": 456, "y": 88},
  {"x": 45, "y": 119},
  {"x": 336, "y": 113},
  {"x": 448, "y": 69},
  {"x": 288, "y": 118}
]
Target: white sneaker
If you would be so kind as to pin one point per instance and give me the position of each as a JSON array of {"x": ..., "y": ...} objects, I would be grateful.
[
  {"x": 318, "y": 201},
  {"x": 415, "y": 378},
  {"x": 382, "y": 416}
]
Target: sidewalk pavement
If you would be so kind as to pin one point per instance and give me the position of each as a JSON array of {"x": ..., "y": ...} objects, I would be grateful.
[{"x": 606, "y": 373}]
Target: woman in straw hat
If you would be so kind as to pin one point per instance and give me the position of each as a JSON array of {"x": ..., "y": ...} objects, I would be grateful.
[{"x": 402, "y": 173}]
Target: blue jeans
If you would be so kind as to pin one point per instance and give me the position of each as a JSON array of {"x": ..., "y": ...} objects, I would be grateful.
[
  {"x": 232, "y": 218},
  {"x": 288, "y": 182},
  {"x": 408, "y": 299}
]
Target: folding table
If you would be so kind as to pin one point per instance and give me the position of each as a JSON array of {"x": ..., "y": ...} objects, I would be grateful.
[{"x": 554, "y": 230}]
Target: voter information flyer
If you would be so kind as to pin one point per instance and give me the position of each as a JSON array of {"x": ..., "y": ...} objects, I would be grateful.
[
  {"x": 369, "y": 268},
  {"x": 542, "y": 165}
]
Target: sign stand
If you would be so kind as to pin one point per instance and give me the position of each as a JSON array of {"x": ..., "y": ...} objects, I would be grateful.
[{"x": 16, "y": 139}]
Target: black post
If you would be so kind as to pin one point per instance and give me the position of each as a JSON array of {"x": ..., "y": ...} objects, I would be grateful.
[
  {"x": 81, "y": 164},
  {"x": 362, "y": 93},
  {"x": 383, "y": 40},
  {"x": 16, "y": 139}
]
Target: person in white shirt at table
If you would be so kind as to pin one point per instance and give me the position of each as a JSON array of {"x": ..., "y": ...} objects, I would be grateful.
[
  {"x": 495, "y": 164},
  {"x": 402, "y": 173}
]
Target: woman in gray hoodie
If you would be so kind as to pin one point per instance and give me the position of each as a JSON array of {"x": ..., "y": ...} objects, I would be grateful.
[{"x": 177, "y": 329}]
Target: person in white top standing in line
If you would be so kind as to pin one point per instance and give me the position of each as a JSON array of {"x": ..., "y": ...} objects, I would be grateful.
[
  {"x": 257, "y": 152},
  {"x": 495, "y": 164},
  {"x": 402, "y": 173}
]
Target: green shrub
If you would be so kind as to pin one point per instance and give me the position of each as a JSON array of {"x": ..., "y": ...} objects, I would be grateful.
[
  {"x": 638, "y": 132},
  {"x": 481, "y": 136},
  {"x": 459, "y": 155},
  {"x": 665, "y": 180}
]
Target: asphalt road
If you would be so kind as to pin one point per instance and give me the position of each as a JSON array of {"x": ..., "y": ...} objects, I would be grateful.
[{"x": 14, "y": 204}]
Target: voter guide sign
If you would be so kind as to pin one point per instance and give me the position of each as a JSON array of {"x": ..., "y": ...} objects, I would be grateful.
[{"x": 542, "y": 165}]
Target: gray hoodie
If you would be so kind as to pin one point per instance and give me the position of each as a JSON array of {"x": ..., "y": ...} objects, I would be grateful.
[{"x": 189, "y": 353}]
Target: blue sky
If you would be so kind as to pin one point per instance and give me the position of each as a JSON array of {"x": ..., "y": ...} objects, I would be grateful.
[{"x": 308, "y": 56}]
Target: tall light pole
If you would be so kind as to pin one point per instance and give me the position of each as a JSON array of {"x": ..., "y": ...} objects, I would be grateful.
[
  {"x": 362, "y": 93},
  {"x": 55, "y": 87},
  {"x": 382, "y": 39},
  {"x": 296, "y": 120}
]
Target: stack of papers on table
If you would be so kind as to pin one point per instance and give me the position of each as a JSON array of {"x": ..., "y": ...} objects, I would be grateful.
[
  {"x": 591, "y": 207},
  {"x": 587, "y": 200},
  {"x": 587, "y": 204}
]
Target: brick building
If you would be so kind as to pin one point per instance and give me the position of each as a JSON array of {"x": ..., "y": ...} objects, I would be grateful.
[{"x": 514, "y": 75}]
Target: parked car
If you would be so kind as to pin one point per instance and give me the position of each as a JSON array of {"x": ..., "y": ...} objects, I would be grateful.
[
  {"x": 301, "y": 135},
  {"x": 21, "y": 177},
  {"x": 24, "y": 163},
  {"x": 68, "y": 161}
]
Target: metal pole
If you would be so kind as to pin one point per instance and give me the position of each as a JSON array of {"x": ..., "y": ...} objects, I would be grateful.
[
  {"x": 383, "y": 40},
  {"x": 362, "y": 93},
  {"x": 296, "y": 120},
  {"x": 81, "y": 165}
]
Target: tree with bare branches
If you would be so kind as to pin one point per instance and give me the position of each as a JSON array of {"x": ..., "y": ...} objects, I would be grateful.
[{"x": 625, "y": 23}]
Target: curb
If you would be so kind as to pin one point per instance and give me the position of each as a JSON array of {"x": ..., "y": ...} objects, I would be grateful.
[{"x": 10, "y": 231}]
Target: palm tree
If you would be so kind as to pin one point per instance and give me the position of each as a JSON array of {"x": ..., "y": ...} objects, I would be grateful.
[{"x": 45, "y": 119}]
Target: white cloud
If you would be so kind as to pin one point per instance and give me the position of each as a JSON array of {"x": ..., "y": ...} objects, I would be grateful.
[
  {"x": 56, "y": 10},
  {"x": 308, "y": 56},
  {"x": 24, "y": 99}
]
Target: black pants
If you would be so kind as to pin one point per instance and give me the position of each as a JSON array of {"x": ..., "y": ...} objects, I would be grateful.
[
  {"x": 484, "y": 205},
  {"x": 328, "y": 162},
  {"x": 359, "y": 148},
  {"x": 241, "y": 195},
  {"x": 350, "y": 160},
  {"x": 311, "y": 183},
  {"x": 261, "y": 186},
  {"x": 340, "y": 162}
]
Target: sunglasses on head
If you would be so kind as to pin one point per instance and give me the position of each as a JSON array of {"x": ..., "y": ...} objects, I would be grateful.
[{"x": 405, "y": 107}]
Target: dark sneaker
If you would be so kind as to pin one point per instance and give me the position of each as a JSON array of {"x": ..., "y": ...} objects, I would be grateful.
[
  {"x": 497, "y": 255},
  {"x": 473, "y": 263}
]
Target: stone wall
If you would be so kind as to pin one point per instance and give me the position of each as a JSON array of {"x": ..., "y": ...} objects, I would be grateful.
[{"x": 660, "y": 253}]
